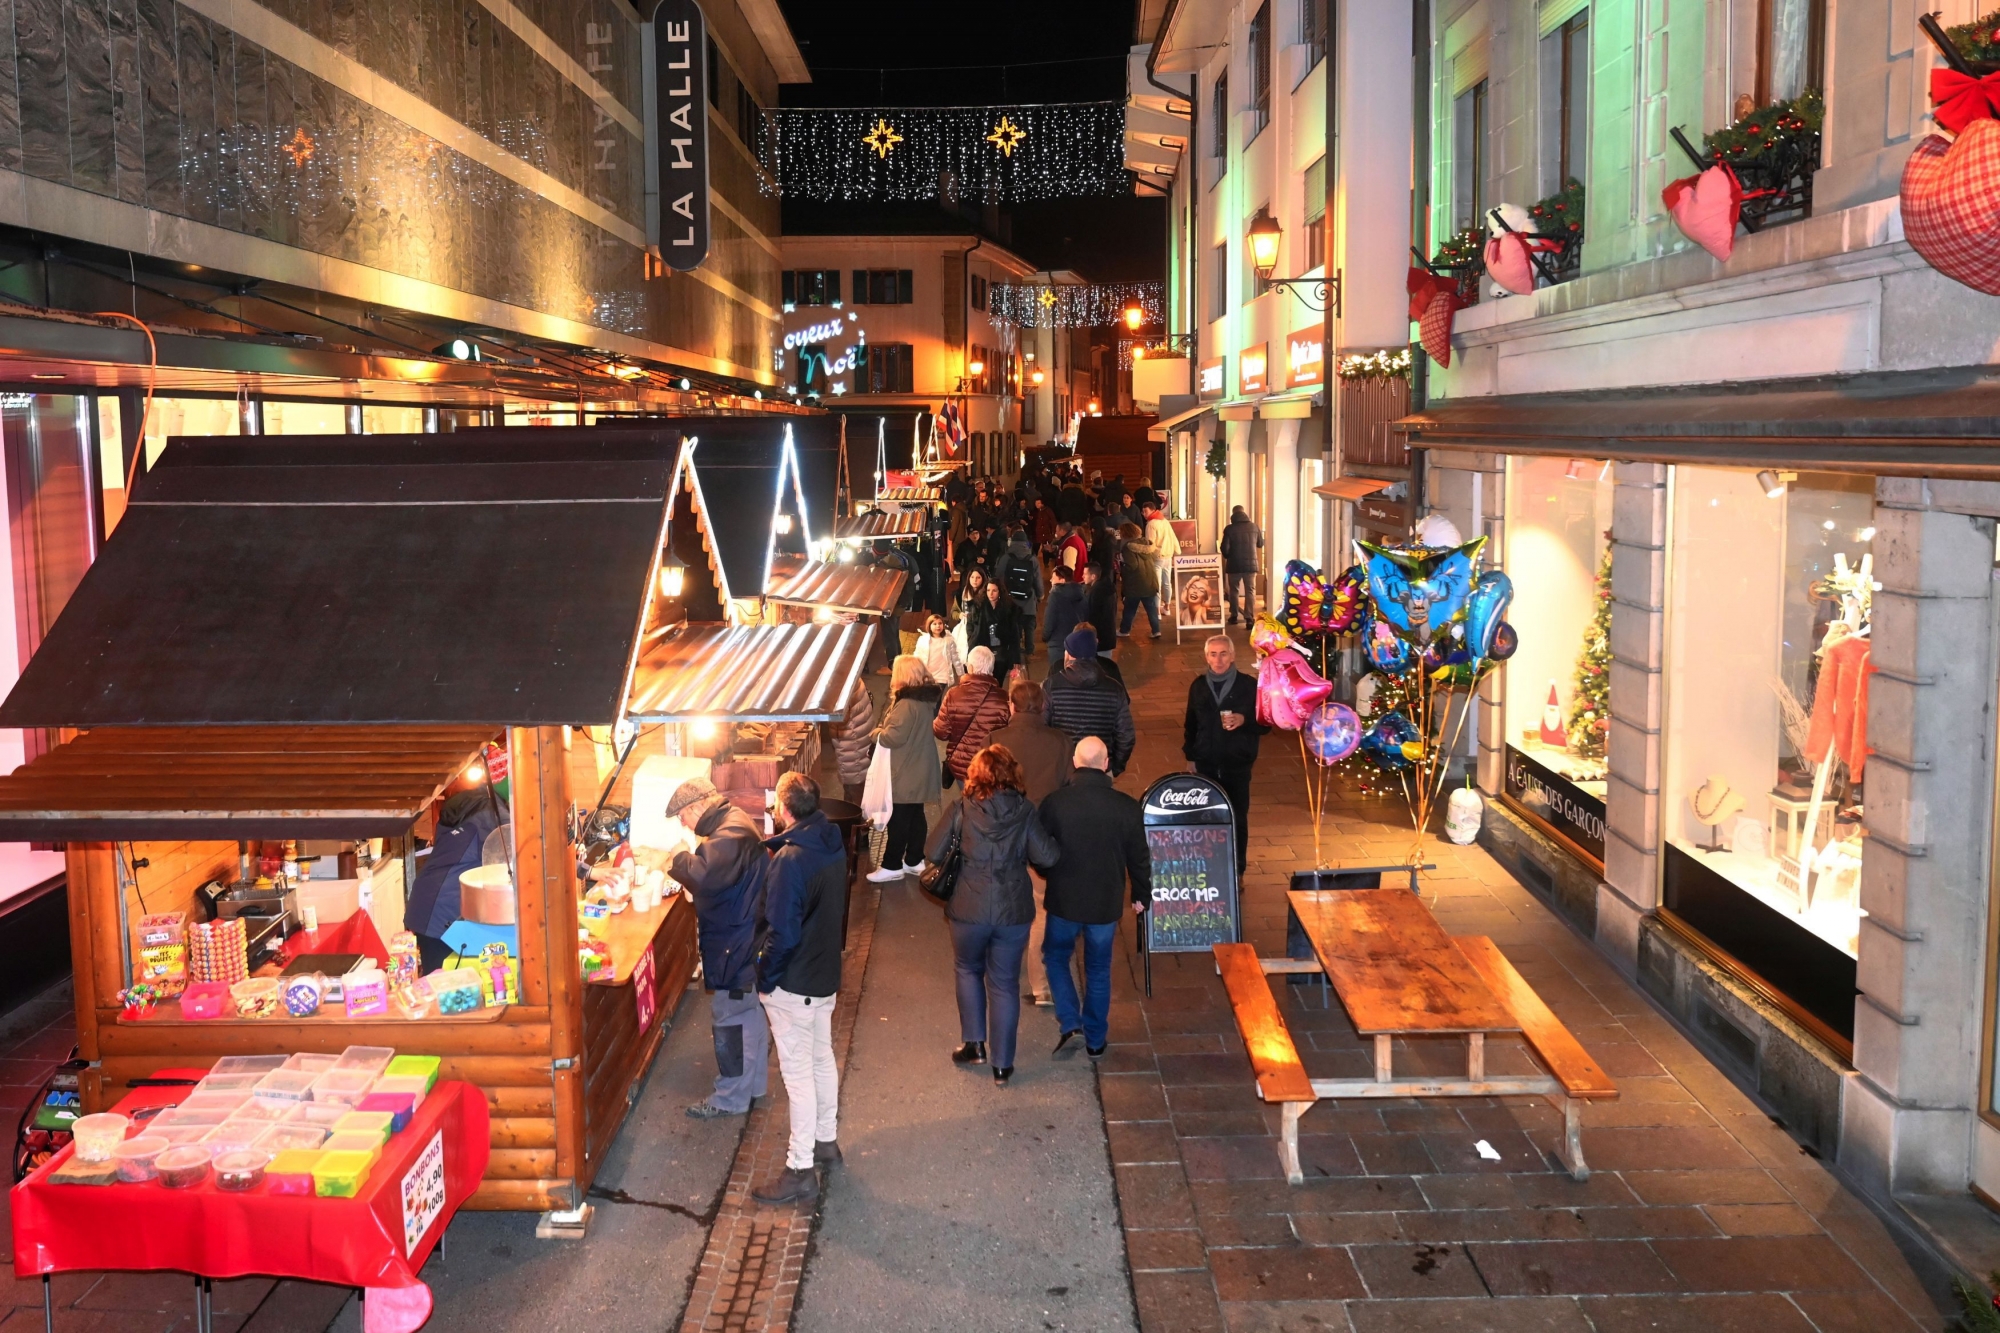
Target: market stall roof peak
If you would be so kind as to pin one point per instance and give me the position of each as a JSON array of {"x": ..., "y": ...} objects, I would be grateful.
[{"x": 490, "y": 578}]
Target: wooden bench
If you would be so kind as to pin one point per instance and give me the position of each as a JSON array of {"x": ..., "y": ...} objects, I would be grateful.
[
  {"x": 1559, "y": 1052},
  {"x": 1572, "y": 1078},
  {"x": 1281, "y": 1078}
]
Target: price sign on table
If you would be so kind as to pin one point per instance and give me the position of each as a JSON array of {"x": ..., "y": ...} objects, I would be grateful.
[{"x": 1191, "y": 832}]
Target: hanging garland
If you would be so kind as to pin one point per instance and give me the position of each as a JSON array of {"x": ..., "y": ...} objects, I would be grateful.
[
  {"x": 1384, "y": 365},
  {"x": 990, "y": 154},
  {"x": 1073, "y": 306}
]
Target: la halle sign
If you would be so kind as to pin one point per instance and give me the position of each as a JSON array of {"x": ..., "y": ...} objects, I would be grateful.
[{"x": 678, "y": 126}]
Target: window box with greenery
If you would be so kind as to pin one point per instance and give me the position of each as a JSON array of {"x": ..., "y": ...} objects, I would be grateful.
[
  {"x": 1773, "y": 151},
  {"x": 1558, "y": 221}
]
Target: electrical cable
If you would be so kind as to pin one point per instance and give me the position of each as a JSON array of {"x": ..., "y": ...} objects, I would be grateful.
[{"x": 145, "y": 411}]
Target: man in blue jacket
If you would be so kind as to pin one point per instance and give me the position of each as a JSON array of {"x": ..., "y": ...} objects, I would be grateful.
[
  {"x": 725, "y": 876},
  {"x": 798, "y": 974}
]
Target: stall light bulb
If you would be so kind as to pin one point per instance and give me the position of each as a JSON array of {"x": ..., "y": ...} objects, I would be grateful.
[
  {"x": 783, "y": 525},
  {"x": 1771, "y": 484},
  {"x": 1866, "y": 535},
  {"x": 475, "y": 773},
  {"x": 823, "y": 616},
  {"x": 703, "y": 728}
]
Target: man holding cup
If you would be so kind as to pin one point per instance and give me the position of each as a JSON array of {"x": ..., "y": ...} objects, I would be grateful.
[{"x": 1221, "y": 731}]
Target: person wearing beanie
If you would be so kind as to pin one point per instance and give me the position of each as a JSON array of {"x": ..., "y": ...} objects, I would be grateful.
[
  {"x": 724, "y": 875},
  {"x": 1068, "y": 606},
  {"x": 1084, "y": 701}
]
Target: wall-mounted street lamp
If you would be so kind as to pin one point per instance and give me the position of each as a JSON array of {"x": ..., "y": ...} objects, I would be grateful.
[
  {"x": 1135, "y": 315},
  {"x": 1036, "y": 377},
  {"x": 1263, "y": 238}
]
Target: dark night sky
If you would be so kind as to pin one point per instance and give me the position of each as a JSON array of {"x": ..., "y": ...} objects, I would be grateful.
[{"x": 940, "y": 53}]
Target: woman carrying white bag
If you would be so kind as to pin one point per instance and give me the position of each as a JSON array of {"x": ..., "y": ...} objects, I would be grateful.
[{"x": 914, "y": 771}]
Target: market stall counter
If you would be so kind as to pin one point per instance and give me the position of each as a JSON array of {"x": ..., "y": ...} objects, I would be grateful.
[{"x": 489, "y": 611}]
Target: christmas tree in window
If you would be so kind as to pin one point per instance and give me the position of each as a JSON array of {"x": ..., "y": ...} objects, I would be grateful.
[{"x": 1590, "y": 706}]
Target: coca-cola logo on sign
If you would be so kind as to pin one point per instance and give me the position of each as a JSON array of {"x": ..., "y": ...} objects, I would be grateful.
[{"x": 1191, "y": 796}]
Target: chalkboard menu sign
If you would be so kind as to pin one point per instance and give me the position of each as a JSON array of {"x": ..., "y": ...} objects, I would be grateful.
[{"x": 1191, "y": 832}]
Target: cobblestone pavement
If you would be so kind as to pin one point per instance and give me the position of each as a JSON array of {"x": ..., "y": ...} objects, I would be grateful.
[{"x": 1701, "y": 1213}]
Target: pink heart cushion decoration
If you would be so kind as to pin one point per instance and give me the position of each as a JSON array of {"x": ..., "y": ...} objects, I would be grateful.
[
  {"x": 1434, "y": 329},
  {"x": 1706, "y": 207},
  {"x": 1951, "y": 205},
  {"x": 1507, "y": 263}
]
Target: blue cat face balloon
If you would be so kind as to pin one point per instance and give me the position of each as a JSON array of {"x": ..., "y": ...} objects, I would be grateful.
[
  {"x": 1384, "y": 740},
  {"x": 1420, "y": 589},
  {"x": 1486, "y": 610}
]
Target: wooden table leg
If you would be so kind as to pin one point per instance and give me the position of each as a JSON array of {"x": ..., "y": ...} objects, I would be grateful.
[
  {"x": 1572, "y": 1110},
  {"x": 1475, "y": 1057},
  {"x": 1288, "y": 1146},
  {"x": 1382, "y": 1074}
]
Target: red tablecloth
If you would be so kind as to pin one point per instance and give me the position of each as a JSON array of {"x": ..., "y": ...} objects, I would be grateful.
[
  {"x": 357, "y": 934},
  {"x": 358, "y": 1242}
]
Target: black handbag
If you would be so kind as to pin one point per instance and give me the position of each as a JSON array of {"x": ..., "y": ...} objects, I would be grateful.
[{"x": 941, "y": 881}]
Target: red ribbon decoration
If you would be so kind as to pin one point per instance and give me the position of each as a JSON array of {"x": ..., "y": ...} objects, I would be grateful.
[{"x": 1962, "y": 99}]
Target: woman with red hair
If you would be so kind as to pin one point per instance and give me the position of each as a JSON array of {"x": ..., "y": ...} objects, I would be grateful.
[{"x": 993, "y": 906}]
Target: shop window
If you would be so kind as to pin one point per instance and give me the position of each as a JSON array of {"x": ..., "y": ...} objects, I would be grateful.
[
  {"x": 884, "y": 286},
  {"x": 305, "y": 418},
  {"x": 810, "y": 286},
  {"x": 190, "y": 416},
  {"x": 978, "y": 292},
  {"x": 1769, "y": 631},
  {"x": 392, "y": 420},
  {"x": 1556, "y": 705},
  {"x": 1028, "y": 414},
  {"x": 46, "y": 441}
]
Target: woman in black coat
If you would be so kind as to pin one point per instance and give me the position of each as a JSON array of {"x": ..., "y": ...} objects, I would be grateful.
[
  {"x": 993, "y": 906},
  {"x": 995, "y": 622}
]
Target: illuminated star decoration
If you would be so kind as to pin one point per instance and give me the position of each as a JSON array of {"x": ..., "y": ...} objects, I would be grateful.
[
  {"x": 882, "y": 138},
  {"x": 1006, "y": 136},
  {"x": 1047, "y": 298},
  {"x": 300, "y": 149}
]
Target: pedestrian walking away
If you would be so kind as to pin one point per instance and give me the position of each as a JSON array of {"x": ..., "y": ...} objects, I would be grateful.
[
  {"x": 914, "y": 772},
  {"x": 1084, "y": 701},
  {"x": 992, "y": 906},
  {"x": 1101, "y": 590},
  {"x": 1220, "y": 732},
  {"x": 1141, "y": 586},
  {"x": 798, "y": 979},
  {"x": 1068, "y": 606},
  {"x": 724, "y": 874},
  {"x": 1242, "y": 544},
  {"x": 1101, "y": 835},
  {"x": 1044, "y": 756},
  {"x": 970, "y": 712}
]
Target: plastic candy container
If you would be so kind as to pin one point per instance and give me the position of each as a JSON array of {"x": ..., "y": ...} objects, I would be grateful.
[
  {"x": 458, "y": 992},
  {"x": 340, "y": 1175},
  {"x": 182, "y": 1135},
  {"x": 241, "y": 1170},
  {"x": 212, "y": 1101},
  {"x": 183, "y": 1118},
  {"x": 408, "y": 1085},
  {"x": 97, "y": 1135},
  {"x": 183, "y": 1168},
  {"x": 423, "y": 1066},
  {"x": 302, "y": 996},
  {"x": 413, "y": 999},
  {"x": 374, "y": 1059},
  {"x": 344, "y": 1086},
  {"x": 311, "y": 1062},
  {"x": 269, "y": 1110},
  {"x": 367, "y": 994},
  {"x": 138, "y": 1158},
  {"x": 228, "y": 1083},
  {"x": 204, "y": 999},
  {"x": 286, "y": 1085},
  {"x": 231, "y": 1134},
  {"x": 400, "y": 1106},
  {"x": 257, "y": 997},
  {"x": 405, "y": 958},
  {"x": 250, "y": 1064},
  {"x": 291, "y": 1134},
  {"x": 367, "y": 1144},
  {"x": 320, "y": 1115},
  {"x": 291, "y": 1171},
  {"x": 378, "y": 1123}
]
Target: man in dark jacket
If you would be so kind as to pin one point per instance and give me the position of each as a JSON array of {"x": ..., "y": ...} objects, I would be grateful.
[
  {"x": 1103, "y": 841},
  {"x": 465, "y": 821},
  {"x": 798, "y": 975},
  {"x": 1221, "y": 731},
  {"x": 1068, "y": 607},
  {"x": 1241, "y": 545},
  {"x": 1101, "y": 591},
  {"x": 724, "y": 875},
  {"x": 1083, "y": 701}
]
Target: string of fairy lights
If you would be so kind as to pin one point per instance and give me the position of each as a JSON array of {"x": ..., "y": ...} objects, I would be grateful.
[
  {"x": 996, "y": 154},
  {"x": 1075, "y": 305}
]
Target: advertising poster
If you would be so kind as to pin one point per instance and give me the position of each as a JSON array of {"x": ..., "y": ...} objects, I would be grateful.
[{"x": 1198, "y": 603}]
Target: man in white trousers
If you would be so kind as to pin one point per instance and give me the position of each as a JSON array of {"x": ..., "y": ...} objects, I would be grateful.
[{"x": 798, "y": 977}]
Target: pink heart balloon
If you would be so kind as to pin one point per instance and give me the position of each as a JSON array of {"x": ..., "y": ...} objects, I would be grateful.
[{"x": 1706, "y": 208}]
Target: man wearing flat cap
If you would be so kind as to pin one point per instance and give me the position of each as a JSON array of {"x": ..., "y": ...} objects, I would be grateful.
[{"x": 724, "y": 874}]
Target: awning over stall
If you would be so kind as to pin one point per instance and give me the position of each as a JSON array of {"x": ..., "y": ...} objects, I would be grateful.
[
  {"x": 872, "y": 590},
  {"x": 363, "y": 579},
  {"x": 878, "y": 525},
  {"x": 118, "y": 784},
  {"x": 904, "y": 495},
  {"x": 1935, "y": 423},
  {"x": 1350, "y": 488},
  {"x": 749, "y": 673}
]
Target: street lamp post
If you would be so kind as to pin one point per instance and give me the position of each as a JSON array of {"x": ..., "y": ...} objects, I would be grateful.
[{"x": 1263, "y": 238}]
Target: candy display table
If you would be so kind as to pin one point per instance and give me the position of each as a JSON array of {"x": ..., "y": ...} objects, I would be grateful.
[{"x": 376, "y": 1241}]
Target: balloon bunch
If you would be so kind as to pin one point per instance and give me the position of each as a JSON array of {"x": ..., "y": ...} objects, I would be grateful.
[{"x": 1425, "y": 617}]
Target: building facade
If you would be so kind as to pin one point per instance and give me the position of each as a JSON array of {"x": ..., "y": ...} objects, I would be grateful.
[
  {"x": 1747, "y": 742},
  {"x": 903, "y": 323}
]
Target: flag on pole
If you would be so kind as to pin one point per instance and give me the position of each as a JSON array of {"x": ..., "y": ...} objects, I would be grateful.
[{"x": 951, "y": 427}]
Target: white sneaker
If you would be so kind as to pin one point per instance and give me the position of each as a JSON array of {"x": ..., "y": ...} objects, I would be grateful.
[
  {"x": 884, "y": 874},
  {"x": 916, "y": 869}
]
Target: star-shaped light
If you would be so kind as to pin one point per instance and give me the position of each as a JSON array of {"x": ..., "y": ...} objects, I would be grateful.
[
  {"x": 1006, "y": 136},
  {"x": 1047, "y": 298},
  {"x": 300, "y": 149},
  {"x": 882, "y": 138}
]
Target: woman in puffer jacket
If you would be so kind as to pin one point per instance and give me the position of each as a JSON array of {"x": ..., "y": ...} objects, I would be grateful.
[
  {"x": 915, "y": 776},
  {"x": 854, "y": 743},
  {"x": 993, "y": 906}
]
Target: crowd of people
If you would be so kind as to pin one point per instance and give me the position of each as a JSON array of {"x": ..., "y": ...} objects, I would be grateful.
[{"x": 1047, "y": 854}]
